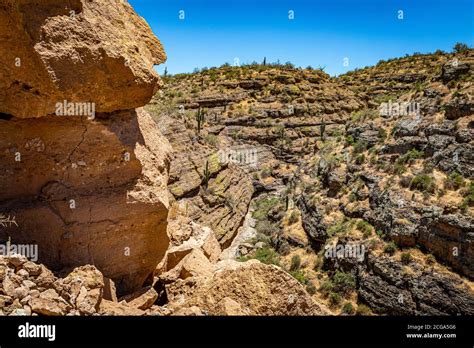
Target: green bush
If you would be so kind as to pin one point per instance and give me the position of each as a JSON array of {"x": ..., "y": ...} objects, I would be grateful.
[
  {"x": 265, "y": 173},
  {"x": 263, "y": 206},
  {"x": 454, "y": 181},
  {"x": 360, "y": 159},
  {"x": 334, "y": 298},
  {"x": 350, "y": 140},
  {"x": 211, "y": 139},
  {"x": 293, "y": 217},
  {"x": 340, "y": 227},
  {"x": 348, "y": 308},
  {"x": 295, "y": 263},
  {"x": 310, "y": 288},
  {"x": 364, "y": 227},
  {"x": 399, "y": 168},
  {"x": 327, "y": 287},
  {"x": 265, "y": 255},
  {"x": 430, "y": 259},
  {"x": 363, "y": 310},
  {"x": 468, "y": 197},
  {"x": 390, "y": 248},
  {"x": 460, "y": 47},
  {"x": 406, "y": 258},
  {"x": 266, "y": 227},
  {"x": 423, "y": 183},
  {"x": 343, "y": 282},
  {"x": 360, "y": 146},
  {"x": 410, "y": 156},
  {"x": 300, "y": 276},
  {"x": 382, "y": 134}
]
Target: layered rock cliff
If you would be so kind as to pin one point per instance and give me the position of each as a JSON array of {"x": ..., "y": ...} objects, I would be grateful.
[{"x": 82, "y": 170}]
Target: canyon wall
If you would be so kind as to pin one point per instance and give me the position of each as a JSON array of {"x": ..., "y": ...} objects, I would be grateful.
[{"x": 86, "y": 184}]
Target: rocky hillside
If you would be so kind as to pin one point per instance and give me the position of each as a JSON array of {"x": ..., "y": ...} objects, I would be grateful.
[{"x": 362, "y": 188}]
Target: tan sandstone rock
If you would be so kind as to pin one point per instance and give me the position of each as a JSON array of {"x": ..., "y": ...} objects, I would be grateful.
[
  {"x": 244, "y": 288},
  {"x": 111, "y": 212},
  {"x": 97, "y": 51},
  {"x": 142, "y": 299}
]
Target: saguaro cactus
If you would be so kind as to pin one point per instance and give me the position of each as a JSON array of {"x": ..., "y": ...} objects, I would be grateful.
[
  {"x": 322, "y": 129},
  {"x": 206, "y": 174},
  {"x": 199, "y": 120}
]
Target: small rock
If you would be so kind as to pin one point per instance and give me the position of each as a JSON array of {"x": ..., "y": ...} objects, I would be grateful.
[
  {"x": 23, "y": 273},
  {"x": 32, "y": 268}
]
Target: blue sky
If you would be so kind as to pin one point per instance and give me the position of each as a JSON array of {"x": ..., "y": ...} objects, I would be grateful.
[{"x": 322, "y": 33}]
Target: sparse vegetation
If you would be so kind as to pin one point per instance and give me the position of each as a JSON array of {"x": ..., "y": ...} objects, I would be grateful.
[
  {"x": 265, "y": 255},
  {"x": 460, "y": 47},
  {"x": 293, "y": 218},
  {"x": 363, "y": 310},
  {"x": 364, "y": 227},
  {"x": 390, "y": 248},
  {"x": 406, "y": 258},
  {"x": 423, "y": 183},
  {"x": 454, "y": 181},
  {"x": 348, "y": 308},
  {"x": 295, "y": 263}
]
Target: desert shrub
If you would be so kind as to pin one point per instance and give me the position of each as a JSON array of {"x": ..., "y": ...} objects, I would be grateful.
[
  {"x": 343, "y": 282},
  {"x": 350, "y": 140},
  {"x": 405, "y": 181},
  {"x": 295, "y": 263},
  {"x": 406, "y": 258},
  {"x": 364, "y": 227},
  {"x": 352, "y": 197},
  {"x": 211, "y": 139},
  {"x": 363, "y": 310},
  {"x": 363, "y": 115},
  {"x": 390, "y": 248},
  {"x": 334, "y": 298},
  {"x": 460, "y": 47},
  {"x": 382, "y": 134},
  {"x": 399, "y": 168},
  {"x": 430, "y": 259},
  {"x": 454, "y": 181},
  {"x": 293, "y": 218},
  {"x": 326, "y": 287},
  {"x": 468, "y": 197},
  {"x": 310, "y": 288},
  {"x": 360, "y": 159},
  {"x": 340, "y": 227},
  {"x": 265, "y": 173},
  {"x": 410, "y": 156},
  {"x": 360, "y": 146},
  {"x": 348, "y": 308},
  {"x": 265, "y": 227},
  {"x": 263, "y": 206},
  {"x": 300, "y": 276},
  {"x": 265, "y": 255},
  {"x": 423, "y": 183}
]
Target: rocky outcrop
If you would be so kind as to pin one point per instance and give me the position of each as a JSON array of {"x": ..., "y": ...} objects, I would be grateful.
[
  {"x": 244, "y": 288},
  {"x": 87, "y": 187},
  {"x": 79, "y": 51},
  {"x": 388, "y": 288},
  {"x": 208, "y": 190},
  {"x": 28, "y": 288}
]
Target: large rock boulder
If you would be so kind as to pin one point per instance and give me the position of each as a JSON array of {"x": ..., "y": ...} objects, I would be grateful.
[
  {"x": 238, "y": 288},
  {"x": 80, "y": 51}
]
